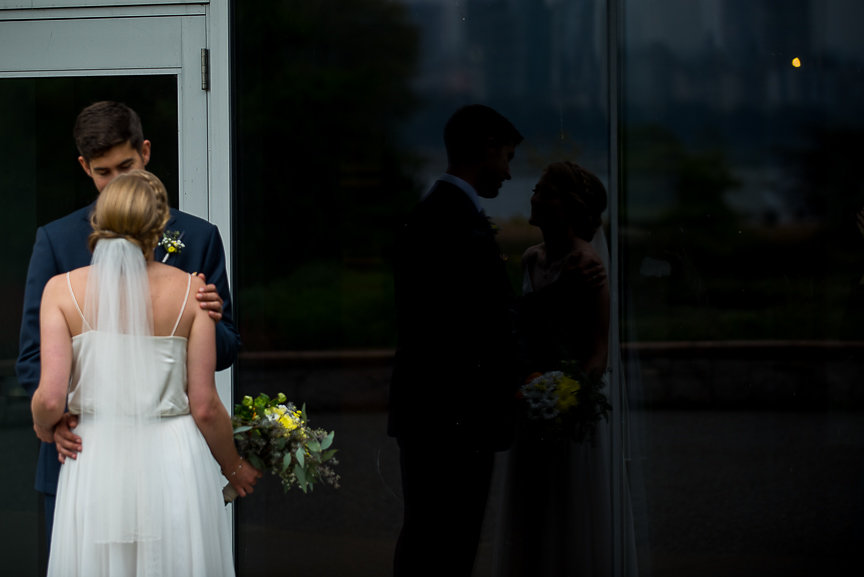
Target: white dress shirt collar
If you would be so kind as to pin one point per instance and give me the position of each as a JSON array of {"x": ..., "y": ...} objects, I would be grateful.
[{"x": 464, "y": 187}]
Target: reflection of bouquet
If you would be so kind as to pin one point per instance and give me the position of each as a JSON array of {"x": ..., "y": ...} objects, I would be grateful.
[
  {"x": 565, "y": 403},
  {"x": 273, "y": 435}
]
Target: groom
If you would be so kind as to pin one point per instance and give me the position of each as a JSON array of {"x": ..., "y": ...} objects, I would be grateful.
[
  {"x": 454, "y": 376},
  {"x": 110, "y": 141}
]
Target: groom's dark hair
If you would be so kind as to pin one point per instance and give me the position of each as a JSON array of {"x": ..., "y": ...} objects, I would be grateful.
[
  {"x": 103, "y": 125},
  {"x": 468, "y": 133}
]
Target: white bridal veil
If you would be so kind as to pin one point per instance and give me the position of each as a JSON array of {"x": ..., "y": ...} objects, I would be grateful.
[{"x": 120, "y": 398}]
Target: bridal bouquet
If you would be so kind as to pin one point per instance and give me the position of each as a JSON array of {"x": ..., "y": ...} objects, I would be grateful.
[
  {"x": 565, "y": 403},
  {"x": 272, "y": 434}
]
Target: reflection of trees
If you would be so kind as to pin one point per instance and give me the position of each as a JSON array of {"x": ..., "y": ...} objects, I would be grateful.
[
  {"x": 729, "y": 279},
  {"x": 696, "y": 231},
  {"x": 695, "y": 215},
  {"x": 321, "y": 89}
]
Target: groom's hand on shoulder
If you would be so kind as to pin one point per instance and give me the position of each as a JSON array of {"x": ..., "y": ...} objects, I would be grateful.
[
  {"x": 209, "y": 299},
  {"x": 590, "y": 272},
  {"x": 68, "y": 443}
]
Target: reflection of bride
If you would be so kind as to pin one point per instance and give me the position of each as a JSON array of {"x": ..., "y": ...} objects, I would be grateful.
[{"x": 557, "y": 513}]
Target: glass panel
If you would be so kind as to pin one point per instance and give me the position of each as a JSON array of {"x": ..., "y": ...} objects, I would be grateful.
[
  {"x": 340, "y": 108},
  {"x": 741, "y": 283},
  {"x": 41, "y": 180}
]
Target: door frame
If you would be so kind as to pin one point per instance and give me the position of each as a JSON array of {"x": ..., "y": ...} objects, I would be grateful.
[{"x": 157, "y": 37}]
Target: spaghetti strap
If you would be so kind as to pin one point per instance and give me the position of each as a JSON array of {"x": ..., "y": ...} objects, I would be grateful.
[
  {"x": 74, "y": 300},
  {"x": 183, "y": 308}
]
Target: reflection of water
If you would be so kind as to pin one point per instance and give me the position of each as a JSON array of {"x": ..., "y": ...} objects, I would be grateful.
[{"x": 514, "y": 199}]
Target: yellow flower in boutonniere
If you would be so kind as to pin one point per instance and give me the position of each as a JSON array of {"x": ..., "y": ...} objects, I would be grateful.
[{"x": 171, "y": 243}]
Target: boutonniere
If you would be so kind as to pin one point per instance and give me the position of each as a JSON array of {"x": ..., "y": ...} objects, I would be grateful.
[
  {"x": 492, "y": 226},
  {"x": 171, "y": 243}
]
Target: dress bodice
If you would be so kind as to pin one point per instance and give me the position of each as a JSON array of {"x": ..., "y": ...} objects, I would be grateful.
[
  {"x": 169, "y": 372},
  {"x": 555, "y": 320},
  {"x": 164, "y": 388}
]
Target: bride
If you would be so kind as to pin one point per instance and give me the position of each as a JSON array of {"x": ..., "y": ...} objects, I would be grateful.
[
  {"x": 123, "y": 351},
  {"x": 557, "y": 514}
]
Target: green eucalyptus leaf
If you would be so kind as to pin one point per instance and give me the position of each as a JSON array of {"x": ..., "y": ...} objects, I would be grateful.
[
  {"x": 328, "y": 440},
  {"x": 301, "y": 458},
  {"x": 300, "y": 473},
  {"x": 256, "y": 461},
  {"x": 242, "y": 429},
  {"x": 286, "y": 462},
  {"x": 327, "y": 455}
]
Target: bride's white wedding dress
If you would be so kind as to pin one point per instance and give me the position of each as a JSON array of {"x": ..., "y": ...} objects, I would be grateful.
[
  {"x": 555, "y": 517},
  {"x": 556, "y": 513},
  {"x": 138, "y": 504}
]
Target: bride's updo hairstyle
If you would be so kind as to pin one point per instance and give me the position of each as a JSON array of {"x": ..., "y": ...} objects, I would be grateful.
[
  {"x": 133, "y": 206},
  {"x": 583, "y": 194}
]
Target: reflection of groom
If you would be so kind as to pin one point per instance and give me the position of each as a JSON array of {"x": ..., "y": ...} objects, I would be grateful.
[
  {"x": 454, "y": 377},
  {"x": 110, "y": 140}
]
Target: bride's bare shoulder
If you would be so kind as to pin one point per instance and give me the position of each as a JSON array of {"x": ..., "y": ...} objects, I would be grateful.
[
  {"x": 58, "y": 283},
  {"x": 167, "y": 274},
  {"x": 167, "y": 281}
]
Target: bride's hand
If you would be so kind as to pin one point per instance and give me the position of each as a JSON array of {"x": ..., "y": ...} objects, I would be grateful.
[
  {"x": 243, "y": 477},
  {"x": 68, "y": 443}
]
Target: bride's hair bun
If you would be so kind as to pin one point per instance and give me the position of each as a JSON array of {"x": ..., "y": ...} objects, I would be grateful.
[
  {"x": 584, "y": 194},
  {"x": 133, "y": 206}
]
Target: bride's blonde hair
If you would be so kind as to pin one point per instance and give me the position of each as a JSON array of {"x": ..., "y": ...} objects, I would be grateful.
[
  {"x": 133, "y": 206},
  {"x": 583, "y": 194}
]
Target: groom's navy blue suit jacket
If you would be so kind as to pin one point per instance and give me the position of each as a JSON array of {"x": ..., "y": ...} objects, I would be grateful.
[{"x": 61, "y": 246}]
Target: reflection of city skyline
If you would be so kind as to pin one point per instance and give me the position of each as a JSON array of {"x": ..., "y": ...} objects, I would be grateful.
[
  {"x": 552, "y": 50},
  {"x": 720, "y": 73},
  {"x": 541, "y": 63},
  {"x": 733, "y": 54},
  {"x": 689, "y": 26},
  {"x": 720, "y": 69},
  {"x": 482, "y": 49}
]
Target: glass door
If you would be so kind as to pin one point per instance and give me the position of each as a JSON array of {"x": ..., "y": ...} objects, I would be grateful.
[{"x": 53, "y": 63}]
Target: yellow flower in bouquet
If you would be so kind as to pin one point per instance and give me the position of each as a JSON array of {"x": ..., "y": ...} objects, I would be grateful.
[
  {"x": 567, "y": 393},
  {"x": 564, "y": 403},
  {"x": 289, "y": 419}
]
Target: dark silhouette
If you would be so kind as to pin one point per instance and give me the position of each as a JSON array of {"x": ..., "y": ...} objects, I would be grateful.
[
  {"x": 455, "y": 375},
  {"x": 557, "y": 513}
]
